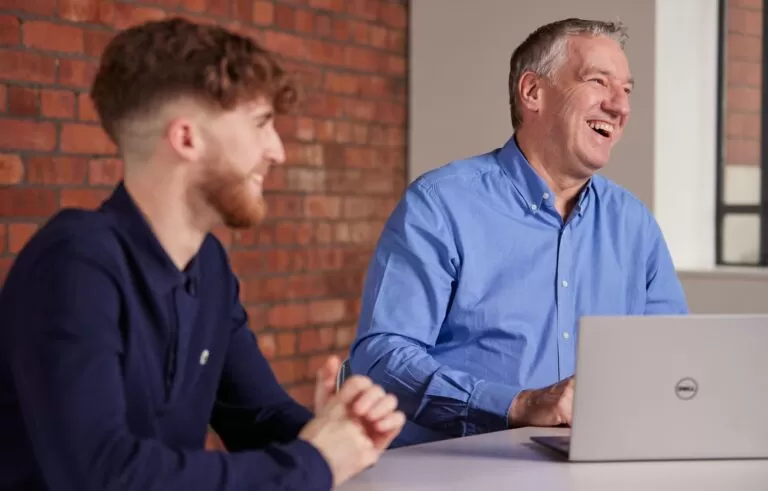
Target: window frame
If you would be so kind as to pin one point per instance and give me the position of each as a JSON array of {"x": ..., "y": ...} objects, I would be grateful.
[{"x": 723, "y": 209}]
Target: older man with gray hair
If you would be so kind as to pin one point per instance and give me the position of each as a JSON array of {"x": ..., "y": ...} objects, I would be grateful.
[{"x": 472, "y": 299}]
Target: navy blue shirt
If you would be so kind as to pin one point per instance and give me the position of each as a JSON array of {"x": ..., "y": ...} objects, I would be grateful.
[{"x": 113, "y": 362}]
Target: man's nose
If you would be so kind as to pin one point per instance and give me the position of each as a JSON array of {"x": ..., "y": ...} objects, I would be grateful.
[
  {"x": 618, "y": 104},
  {"x": 275, "y": 150}
]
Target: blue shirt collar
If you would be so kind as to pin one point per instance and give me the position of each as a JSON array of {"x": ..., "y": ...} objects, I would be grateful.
[
  {"x": 531, "y": 187},
  {"x": 158, "y": 266}
]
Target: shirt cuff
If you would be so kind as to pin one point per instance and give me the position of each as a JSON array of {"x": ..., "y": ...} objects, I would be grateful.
[
  {"x": 316, "y": 469},
  {"x": 488, "y": 407}
]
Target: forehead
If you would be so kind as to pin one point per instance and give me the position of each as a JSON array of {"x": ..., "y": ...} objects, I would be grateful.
[
  {"x": 239, "y": 116},
  {"x": 597, "y": 53},
  {"x": 258, "y": 107}
]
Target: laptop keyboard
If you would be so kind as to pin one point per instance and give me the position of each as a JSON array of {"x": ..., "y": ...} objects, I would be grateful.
[{"x": 562, "y": 443}]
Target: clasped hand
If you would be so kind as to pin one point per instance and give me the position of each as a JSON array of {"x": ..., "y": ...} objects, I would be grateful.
[{"x": 353, "y": 427}]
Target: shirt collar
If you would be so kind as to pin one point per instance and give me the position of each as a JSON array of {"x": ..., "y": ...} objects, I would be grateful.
[
  {"x": 161, "y": 272},
  {"x": 531, "y": 187}
]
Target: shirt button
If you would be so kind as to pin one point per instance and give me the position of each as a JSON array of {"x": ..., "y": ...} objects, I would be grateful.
[
  {"x": 534, "y": 207},
  {"x": 566, "y": 335},
  {"x": 565, "y": 284},
  {"x": 546, "y": 196}
]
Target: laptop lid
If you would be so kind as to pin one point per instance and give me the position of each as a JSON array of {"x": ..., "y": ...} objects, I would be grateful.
[{"x": 671, "y": 387}]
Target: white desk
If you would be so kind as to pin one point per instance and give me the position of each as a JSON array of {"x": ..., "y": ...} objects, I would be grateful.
[{"x": 508, "y": 460}]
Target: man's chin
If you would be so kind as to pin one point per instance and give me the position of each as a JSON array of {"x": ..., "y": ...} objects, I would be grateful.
[
  {"x": 245, "y": 216},
  {"x": 596, "y": 161}
]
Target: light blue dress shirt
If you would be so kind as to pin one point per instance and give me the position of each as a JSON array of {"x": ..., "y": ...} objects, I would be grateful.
[{"x": 477, "y": 284}]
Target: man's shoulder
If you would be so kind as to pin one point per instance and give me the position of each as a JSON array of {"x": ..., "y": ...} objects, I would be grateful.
[
  {"x": 88, "y": 234},
  {"x": 68, "y": 241},
  {"x": 459, "y": 172},
  {"x": 617, "y": 197}
]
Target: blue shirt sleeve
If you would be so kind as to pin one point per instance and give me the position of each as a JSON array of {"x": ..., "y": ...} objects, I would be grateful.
[
  {"x": 664, "y": 292},
  {"x": 252, "y": 410},
  {"x": 71, "y": 395},
  {"x": 407, "y": 292}
]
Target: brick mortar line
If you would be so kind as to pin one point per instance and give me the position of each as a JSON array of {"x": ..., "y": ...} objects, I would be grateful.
[
  {"x": 333, "y": 14},
  {"x": 9, "y": 220},
  {"x": 347, "y": 295},
  {"x": 740, "y": 139},
  {"x": 356, "y": 146},
  {"x": 89, "y": 122},
  {"x": 272, "y": 192},
  {"x": 369, "y": 249},
  {"x": 292, "y": 249},
  {"x": 744, "y": 34},
  {"x": 206, "y": 15},
  {"x": 79, "y": 90},
  {"x": 743, "y": 111},
  {"x": 298, "y": 248},
  {"x": 741, "y": 164},
  {"x": 98, "y": 26},
  {"x": 743, "y": 60},
  {"x": 309, "y": 327},
  {"x": 732, "y": 85},
  {"x": 16, "y": 219},
  {"x": 301, "y": 304},
  {"x": 107, "y": 187},
  {"x": 290, "y": 274},
  {"x": 94, "y": 124}
]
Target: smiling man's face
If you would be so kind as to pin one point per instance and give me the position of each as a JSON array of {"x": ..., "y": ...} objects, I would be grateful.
[
  {"x": 586, "y": 107},
  {"x": 242, "y": 146}
]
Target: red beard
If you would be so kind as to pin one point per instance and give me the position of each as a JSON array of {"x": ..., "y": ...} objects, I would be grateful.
[{"x": 232, "y": 195}]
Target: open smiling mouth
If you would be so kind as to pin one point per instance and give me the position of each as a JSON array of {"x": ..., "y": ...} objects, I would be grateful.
[{"x": 601, "y": 127}]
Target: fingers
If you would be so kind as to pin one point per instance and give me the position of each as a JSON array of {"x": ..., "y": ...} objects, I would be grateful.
[
  {"x": 387, "y": 429},
  {"x": 383, "y": 407},
  {"x": 367, "y": 400},
  {"x": 325, "y": 385},
  {"x": 392, "y": 422},
  {"x": 330, "y": 368},
  {"x": 352, "y": 388}
]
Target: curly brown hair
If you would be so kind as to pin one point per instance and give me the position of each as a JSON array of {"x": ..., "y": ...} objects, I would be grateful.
[{"x": 150, "y": 64}]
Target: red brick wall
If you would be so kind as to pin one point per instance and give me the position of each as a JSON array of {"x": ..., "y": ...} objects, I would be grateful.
[
  {"x": 743, "y": 63},
  {"x": 301, "y": 272}
]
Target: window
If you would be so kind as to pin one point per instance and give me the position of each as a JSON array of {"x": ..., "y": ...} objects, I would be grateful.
[{"x": 742, "y": 164}]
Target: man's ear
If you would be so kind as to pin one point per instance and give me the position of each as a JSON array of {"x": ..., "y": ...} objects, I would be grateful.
[
  {"x": 529, "y": 89},
  {"x": 184, "y": 137}
]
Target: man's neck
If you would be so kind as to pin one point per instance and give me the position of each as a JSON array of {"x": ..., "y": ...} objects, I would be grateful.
[
  {"x": 165, "y": 206},
  {"x": 565, "y": 188}
]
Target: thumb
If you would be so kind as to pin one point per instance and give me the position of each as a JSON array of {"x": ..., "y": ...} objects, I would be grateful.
[{"x": 325, "y": 384}]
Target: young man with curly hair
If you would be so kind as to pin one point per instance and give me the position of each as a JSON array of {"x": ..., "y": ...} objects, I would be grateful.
[{"x": 122, "y": 334}]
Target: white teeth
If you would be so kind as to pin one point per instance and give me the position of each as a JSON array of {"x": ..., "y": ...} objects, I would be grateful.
[{"x": 601, "y": 125}]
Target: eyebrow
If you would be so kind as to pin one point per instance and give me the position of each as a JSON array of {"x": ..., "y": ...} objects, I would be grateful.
[
  {"x": 630, "y": 81},
  {"x": 264, "y": 115}
]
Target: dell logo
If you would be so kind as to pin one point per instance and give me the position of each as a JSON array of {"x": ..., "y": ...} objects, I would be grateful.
[{"x": 686, "y": 389}]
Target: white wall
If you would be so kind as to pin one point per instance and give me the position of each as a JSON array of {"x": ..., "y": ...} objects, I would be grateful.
[
  {"x": 685, "y": 128},
  {"x": 459, "y": 64}
]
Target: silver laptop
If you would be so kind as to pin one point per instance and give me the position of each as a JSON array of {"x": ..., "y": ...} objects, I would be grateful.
[{"x": 669, "y": 388}]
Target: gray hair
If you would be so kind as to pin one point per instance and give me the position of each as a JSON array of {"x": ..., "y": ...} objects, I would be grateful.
[{"x": 544, "y": 51}]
